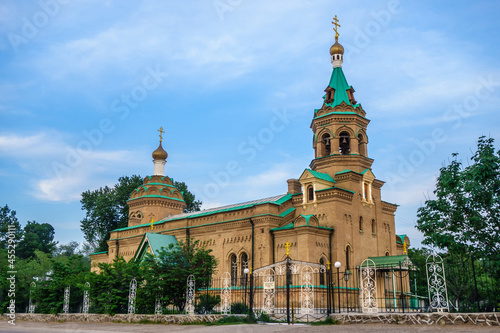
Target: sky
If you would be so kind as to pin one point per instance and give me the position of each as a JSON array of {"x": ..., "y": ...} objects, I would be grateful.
[{"x": 86, "y": 84}]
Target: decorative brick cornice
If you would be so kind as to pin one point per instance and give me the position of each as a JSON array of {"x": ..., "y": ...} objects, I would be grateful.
[
  {"x": 334, "y": 193},
  {"x": 362, "y": 162},
  {"x": 162, "y": 202},
  {"x": 389, "y": 207}
]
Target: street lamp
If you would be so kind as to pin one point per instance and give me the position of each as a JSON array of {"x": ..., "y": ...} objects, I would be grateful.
[
  {"x": 337, "y": 266},
  {"x": 246, "y": 271}
]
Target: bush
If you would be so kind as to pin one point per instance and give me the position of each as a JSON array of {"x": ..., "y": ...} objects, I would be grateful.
[
  {"x": 264, "y": 317},
  {"x": 205, "y": 303},
  {"x": 239, "y": 308}
]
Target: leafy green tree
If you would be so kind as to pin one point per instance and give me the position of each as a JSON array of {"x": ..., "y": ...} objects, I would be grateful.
[
  {"x": 168, "y": 273},
  {"x": 110, "y": 287},
  {"x": 8, "y": 218},
  {"x": 465, "y": 216},
  {"x": 67, "y": 249},
  {"x": 36, "y": 236},
  {"x": 107, "y": 209},
  {"x": 192, "y": 205},
  {"x": 419, "y": 257}
]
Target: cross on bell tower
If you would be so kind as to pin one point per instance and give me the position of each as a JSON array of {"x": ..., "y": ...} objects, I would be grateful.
[{"x": 339, "y": 126}]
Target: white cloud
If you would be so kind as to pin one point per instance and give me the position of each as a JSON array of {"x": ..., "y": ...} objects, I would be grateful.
[{"x": 61, "y": 171}]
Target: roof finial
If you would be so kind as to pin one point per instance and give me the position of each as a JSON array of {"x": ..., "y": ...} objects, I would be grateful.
[
  {"x": 336, "y": 24},
  {"x": 161, "y": 133}
]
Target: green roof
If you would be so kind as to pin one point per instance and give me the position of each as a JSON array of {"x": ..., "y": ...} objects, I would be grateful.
[
  {"x": 288, "y": 211},
  {"x": 321, "y": 175},
  {"x": 400, "y": 238},
  {"x": 277, "y": 200},
  {"x": 292, "y": 224},
  {"x": 156, "y": 242},
  {"x": 339, "y": 83},
  {"x": 99, "y": 253},
  {"x": 391, "y": 261}
]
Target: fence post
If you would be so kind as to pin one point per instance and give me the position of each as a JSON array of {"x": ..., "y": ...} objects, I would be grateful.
[
  {"x": 401, "y": 280},
  {"x": 328, "y": 298},
  {"x": 288, "y": 276},
  {"x": 251, "y": 293}
]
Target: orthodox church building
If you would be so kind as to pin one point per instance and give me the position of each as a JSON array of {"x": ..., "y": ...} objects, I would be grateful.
[{"x": 332, "y": 212}]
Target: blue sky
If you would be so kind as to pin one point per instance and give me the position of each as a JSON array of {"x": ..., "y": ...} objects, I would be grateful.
[{"x": 84, "y": 86}]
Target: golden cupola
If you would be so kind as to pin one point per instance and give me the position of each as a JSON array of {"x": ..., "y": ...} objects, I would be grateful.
[
  {"x": 160, "y": 153},
  {"x": 160, "y": 157}
]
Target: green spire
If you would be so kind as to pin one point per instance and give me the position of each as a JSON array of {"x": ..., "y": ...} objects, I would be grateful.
[{"x": 339, "y": 83}]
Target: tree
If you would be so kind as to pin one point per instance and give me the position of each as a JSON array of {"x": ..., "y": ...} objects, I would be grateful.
[
  {"x": 167, "y": 274},
  {"x": 110, "y": 287},
  {"x": 465, "y": 216},
  {"x": 8, "y": 218},
  {"x": 107, "y": 209},
  {"x": 419, "y": 257},
  {"x": 36, "y": 236},
  {"x": 67, "y": 249},
  {"x": 192, "y": 205}
]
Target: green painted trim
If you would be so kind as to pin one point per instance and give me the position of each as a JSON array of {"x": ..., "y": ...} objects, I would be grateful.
[
  {"x": 181, "y": 228},
  {"x": 99, "y": 253},
  {"x": 288, "y": 211},
  {"x": 340, "y": 113},
  {"x": 158, "y": 184},
  {"x": 321, "y": 175},
  {"x": 277, "y": 202},
  {"x": 155, "y": 196}
]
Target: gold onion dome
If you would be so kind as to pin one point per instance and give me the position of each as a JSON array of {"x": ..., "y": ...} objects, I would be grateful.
[
  {"x": 336, "y": 48},
  {"x": 160, "y": 153}
]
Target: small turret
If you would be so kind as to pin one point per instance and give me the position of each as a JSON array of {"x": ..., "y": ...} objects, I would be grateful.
[{"x": 160, "y": 157}]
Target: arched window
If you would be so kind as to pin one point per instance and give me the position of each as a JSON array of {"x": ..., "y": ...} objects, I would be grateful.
[
  {"x": 361, "y": 223},
  {"x": 387, "y": 254},
  {"x": 310, "y": 193},
  {"x": 344, "y": 143},
  {"x": 374, "y": 227},
  {"x": 328, "y": 146},
  {"x": 362, "y": 146},
  {"x": 243, "y": 264},
  {"x": 347, "y": 258},
  {"x": 322, "y": 275},
  {"x": 234, "y": 270}
]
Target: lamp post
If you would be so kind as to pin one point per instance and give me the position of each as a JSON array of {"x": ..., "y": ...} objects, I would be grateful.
[
  {"x": 246, "y": 271},
  {"x": 337, "y": 266}
]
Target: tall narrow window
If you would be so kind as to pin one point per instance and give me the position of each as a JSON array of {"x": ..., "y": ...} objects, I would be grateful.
[
  {"x": 347, "y": 258},
  {"x": 344, "y": 143},
  {"x": 310, "y": 193},
  {"x": 243, "y": 264},
  {"x": 234, "y": 270},
  {"x": 322, "y": 275},
  {"x": 374, "y": 227},
  {"x": 361, "y": 223}
]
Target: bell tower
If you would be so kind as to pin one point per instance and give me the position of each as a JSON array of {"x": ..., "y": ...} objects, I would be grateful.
[{"x": 339, "y": 126}]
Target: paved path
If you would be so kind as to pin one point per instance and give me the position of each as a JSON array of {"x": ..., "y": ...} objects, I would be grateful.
[{"x": 31, "y": 327}]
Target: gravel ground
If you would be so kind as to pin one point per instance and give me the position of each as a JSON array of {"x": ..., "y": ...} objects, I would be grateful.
[{"x": 32, "y": 327}]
